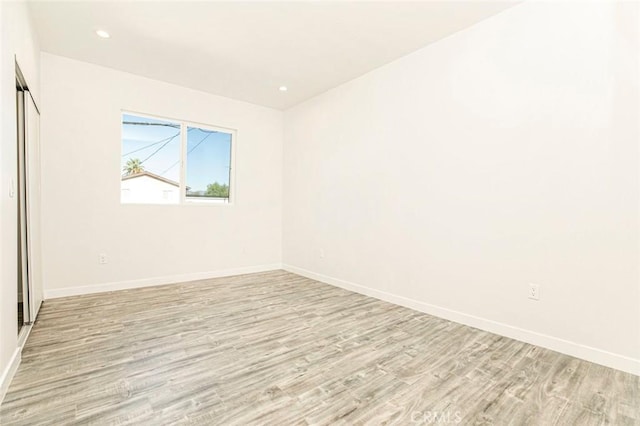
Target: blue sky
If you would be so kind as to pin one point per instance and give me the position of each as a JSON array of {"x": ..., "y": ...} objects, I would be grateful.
[{"x": 158, "y": 146}]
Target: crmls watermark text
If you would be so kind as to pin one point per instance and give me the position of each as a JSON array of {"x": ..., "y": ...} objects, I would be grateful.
[{"x": 436, "y": 417}]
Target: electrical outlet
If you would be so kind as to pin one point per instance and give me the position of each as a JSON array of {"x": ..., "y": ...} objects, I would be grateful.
[
  {"x": 102, "y": 259},
  {"x": 321, "y": 253},
  {"x": 534, "y": 292}
]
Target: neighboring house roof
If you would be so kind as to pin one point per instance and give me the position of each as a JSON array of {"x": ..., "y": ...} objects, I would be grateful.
[{"x": 153, "y": 176}]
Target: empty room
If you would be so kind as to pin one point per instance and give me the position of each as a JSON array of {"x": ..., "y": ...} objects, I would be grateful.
[{"x": 319, "y": 212}]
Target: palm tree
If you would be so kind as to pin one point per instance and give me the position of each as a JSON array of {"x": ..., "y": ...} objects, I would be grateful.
[{"x": 133, "y": 166}]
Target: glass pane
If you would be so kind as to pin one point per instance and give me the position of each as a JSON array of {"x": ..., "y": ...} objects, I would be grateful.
[
  {"x": 208, "y": 164},
  {"x": 150, "y": 160}
]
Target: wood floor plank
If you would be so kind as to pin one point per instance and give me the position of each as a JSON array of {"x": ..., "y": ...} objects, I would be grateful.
[{"x": 275, "y": 348}]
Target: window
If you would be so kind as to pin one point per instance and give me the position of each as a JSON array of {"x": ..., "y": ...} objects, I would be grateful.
[{"x": 170, "y": 162}]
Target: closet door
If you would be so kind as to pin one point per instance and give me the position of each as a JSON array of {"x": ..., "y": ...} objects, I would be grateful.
[
  {"x": 23, "y": 263},
  {"x": 34, "y": 237}
]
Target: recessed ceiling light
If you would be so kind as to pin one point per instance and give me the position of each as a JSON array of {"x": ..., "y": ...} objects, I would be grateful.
[
  {"x": 283, "y": 88},
  {"x": 102, "y": 34}
]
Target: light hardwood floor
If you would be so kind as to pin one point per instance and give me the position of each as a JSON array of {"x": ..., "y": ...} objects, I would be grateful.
[{"x": 276, "y": 349}]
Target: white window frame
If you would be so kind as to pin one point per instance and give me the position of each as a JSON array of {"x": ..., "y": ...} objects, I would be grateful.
[{"x": 184, "y": 124}]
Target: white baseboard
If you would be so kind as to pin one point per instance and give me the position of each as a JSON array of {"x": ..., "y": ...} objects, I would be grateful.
[
  {"x": 149, "y": 282},
  {"x": 598, "y": 356},
  {"x": 8, "y": 373}
]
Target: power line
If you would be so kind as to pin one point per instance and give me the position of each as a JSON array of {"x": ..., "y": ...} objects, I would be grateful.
[
  {"x": 150, "y": 145},
  {"x": 154, "y": 143},
  {"x": 142, "y": 123},
  {"x": 188, "y": 152},
  {"x": 166, "y": 141},
  {"x": 162, "y": 146},
  {"x": 170, "y": 167}
]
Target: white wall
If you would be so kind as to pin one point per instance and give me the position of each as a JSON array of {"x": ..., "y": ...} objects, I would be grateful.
[
  {"x": 83, "y": 216},
  {"x": 17, "y": 43},
  {"x": 503, "y": 155}
]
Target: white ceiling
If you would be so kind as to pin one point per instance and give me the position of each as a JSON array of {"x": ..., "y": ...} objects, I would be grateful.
[{"x": 246, "y": 50}]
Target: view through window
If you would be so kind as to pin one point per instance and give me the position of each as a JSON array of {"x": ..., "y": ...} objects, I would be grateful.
[{"x": 169, "y": 162}]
